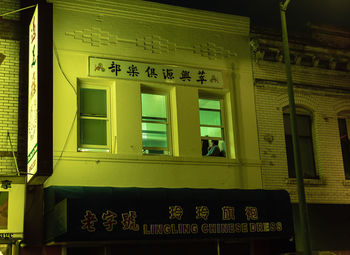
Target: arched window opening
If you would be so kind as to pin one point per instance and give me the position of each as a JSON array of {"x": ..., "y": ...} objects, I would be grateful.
[{"x": 304, "y": 132}]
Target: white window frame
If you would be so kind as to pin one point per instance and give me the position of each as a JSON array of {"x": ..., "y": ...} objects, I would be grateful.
[{"x": 93, "y": 147}]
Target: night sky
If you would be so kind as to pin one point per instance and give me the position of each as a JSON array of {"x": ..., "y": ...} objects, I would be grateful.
[{"x": 266, "y": 12}]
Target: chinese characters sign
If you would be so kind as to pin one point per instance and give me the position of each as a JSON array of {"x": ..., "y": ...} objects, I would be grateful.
[
  {"x": 137, "y": 213},
  {"x": 200, "y": 225},
  {"x": 33, "y": 97},
  {"x": 129, "y": 70}
]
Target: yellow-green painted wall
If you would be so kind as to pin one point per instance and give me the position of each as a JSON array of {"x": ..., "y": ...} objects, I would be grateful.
[{"x": 153, "y": 33}]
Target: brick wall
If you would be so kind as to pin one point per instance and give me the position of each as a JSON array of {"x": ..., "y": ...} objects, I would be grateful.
[
  {"x": 8, "y": 6},
  {"x": 325, "y": 103},
  {"x": 9, "y": 83}
]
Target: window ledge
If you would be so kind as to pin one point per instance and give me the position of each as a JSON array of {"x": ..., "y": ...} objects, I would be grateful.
[
  {"x": 161, "y": 159},
  {"x": 346, "y": 182},
  {"x": 308, "y": 182}
]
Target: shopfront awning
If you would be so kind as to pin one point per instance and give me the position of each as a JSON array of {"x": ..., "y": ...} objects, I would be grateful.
[{"x": 105, "y": 214}]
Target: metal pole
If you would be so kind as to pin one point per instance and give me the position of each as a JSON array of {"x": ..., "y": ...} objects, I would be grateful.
[
  {"x": 303, "y": 212},
  {"x": 13, "y": 153}
]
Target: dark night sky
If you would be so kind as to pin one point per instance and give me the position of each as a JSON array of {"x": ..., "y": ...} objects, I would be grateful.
[{"x": 266, "y": 12}]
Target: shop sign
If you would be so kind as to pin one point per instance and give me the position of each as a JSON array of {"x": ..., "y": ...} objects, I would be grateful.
[
  {"x": 39, "y": 147},
  {"x": 12, "y": 212},
  {"x": 112, "y": 220},
  {"x": 174, "y": 214},
  {"x": 32, "y": 157},
  {"x": 131, "y": 70},
  {"x": 4, "y": 201}
]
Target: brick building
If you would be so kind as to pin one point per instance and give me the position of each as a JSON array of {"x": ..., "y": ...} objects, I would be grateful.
[
  {"x": 12, "y": 185},
  {"x": 321, "y": 77}
]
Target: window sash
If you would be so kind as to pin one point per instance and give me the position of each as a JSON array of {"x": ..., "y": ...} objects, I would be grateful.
[
  {"x": 217, "y": 108},
  {"x": 343, "y": 125},
  {"x": 307, "y": 159},
  {"x": 157, "y": 120},
  {"x": 211, "y": 124},
  {"x": 94, "y": 119}
]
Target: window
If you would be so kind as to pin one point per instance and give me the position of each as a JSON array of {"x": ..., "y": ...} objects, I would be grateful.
[
  {"x": 93, "y": 119},
  {"x": 343, "y": 125},
  {"x": 304, "y": 128},
  {"x": 212, "y": 127},
  {"x": 155, "y": 125}
]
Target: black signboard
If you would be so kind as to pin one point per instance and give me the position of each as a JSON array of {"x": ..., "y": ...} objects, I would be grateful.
[{"x": 135, "y": 213}]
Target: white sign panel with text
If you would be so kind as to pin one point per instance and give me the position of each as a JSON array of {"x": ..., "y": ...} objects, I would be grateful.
[
  {"x": 32, "y": 156},
  {"x": 131, "y": 70}
]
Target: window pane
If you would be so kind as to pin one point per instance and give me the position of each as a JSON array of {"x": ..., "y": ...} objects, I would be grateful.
[
  {"x": 154, "y": 135},
  {"x": 211, "y": 132},
  {"x": 303, "y": 124},
  {"x": 209, "y": 104},
  {"x": 210, "y": 118},
  {"x": 153, "y": 105},
  {"x": 93, "y": 132},
  {"x": 286, "y": 121},
  {"x": 305, "y": 145},
  {"x": 345, "y": 146},
  {"x": 93, "y": 102},
  {"x": 307, "y": 157}
]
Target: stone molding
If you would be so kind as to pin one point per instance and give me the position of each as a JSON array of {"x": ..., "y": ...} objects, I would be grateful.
[{"x": 160, "y": 13}]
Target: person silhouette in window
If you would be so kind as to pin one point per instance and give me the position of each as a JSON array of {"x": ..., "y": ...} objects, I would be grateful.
[
  {"x": 205, "y": 145},
  {"x": 214, "y": 149}
]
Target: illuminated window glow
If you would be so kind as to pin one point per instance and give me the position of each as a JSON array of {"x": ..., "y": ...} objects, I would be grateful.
[
  {"x": 154, "y": 124},
  {"x": 211, "y": 125}
]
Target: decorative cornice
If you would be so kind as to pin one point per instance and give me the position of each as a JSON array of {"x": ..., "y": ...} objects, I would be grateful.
[
  {"x": 303, "y": 55},
  {"x": 159, "y": 13}
]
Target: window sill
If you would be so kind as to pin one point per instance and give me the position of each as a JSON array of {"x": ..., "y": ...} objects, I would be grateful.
[
  {"x": 307, "y": 182},
  {"x": 346, "y": 182},
  {"x": 105, "y": 156}
]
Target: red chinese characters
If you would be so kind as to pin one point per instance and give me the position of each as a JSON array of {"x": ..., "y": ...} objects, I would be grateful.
[
  {"x": 228, "y": 213},
  {"x": 88, "y": 223},
  {"x": 175, "y": 212},
  {"x": 202, "y": 212},
  {"x": 251, "y": 213},
  {"x": 129, "y": 221},
  {"x": 109, "y": 220}
]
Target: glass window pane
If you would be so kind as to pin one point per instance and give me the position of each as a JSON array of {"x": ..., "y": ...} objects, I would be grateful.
[
  {"x": 345, "y": 146},
  {"x": 286, "y": 121},
  {"x": 307, "y": 157},
  {"x": 209, "y": 104},
  {"x": 93, "y": 102},
  {"x": 304, "y": 125},
  {"x": 210, "y": 118},
  {"x": 93, "y": 132},
  {"x": 154, "y": 135},
  {"x": 153, "y": 105},
  {"x": 211, "y": 132}
]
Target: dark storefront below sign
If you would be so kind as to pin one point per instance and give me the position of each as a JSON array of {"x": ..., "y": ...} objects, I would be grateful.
[{"x": 101, "y": 214}]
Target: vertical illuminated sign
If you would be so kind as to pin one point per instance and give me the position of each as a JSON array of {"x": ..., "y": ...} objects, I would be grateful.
[{"x": 32, "y": 156}]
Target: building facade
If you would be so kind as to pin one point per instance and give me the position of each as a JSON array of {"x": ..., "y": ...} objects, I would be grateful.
[
  {"x": 140, "y": 91},
  {"x": 320, "y": 70}
]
